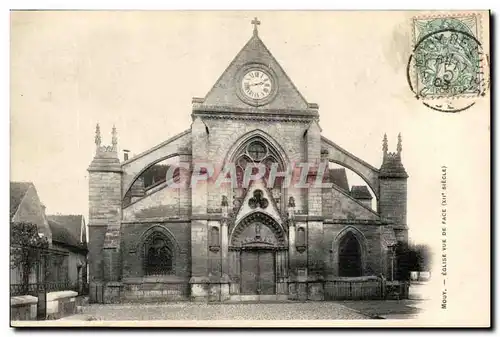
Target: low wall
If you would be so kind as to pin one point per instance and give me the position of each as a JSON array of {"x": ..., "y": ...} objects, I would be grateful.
[
  {"x": 23, "y": 308},
  {"x": 397, "y": 290},
  {"x": 153, "y": 289},
  {"x": 61, "y": 304},
  {"x": 355, "y": 288},
  {"x": 302, "y": 289},
  {"x": 153, "y": 292},
  {"x": 337, "y": 289}
]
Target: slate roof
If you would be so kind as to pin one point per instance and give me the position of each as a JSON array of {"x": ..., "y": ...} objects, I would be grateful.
[
  {"x": 66, "y": 229},
  {"x": 338, "y": 177},
  {"x": 61, "y": 234},
  {"x": 361, "y": 192},
  {"x": 17, "y": 192}
]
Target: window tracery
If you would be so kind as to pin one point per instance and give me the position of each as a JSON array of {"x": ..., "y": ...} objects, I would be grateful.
[
  {"x": 257, "y": 152},
  {"x": 158, "y": 255}
]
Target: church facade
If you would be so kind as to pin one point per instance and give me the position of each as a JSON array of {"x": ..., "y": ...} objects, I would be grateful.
[{"x": 161, "y": 226}]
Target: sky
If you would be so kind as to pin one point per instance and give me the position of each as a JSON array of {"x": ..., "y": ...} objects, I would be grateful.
[{"x": 140, "y": 70}]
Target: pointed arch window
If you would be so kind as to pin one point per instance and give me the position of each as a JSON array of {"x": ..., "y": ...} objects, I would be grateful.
[
  {"x": 350, "y": 256},
  {"x": 158, "y": 255},
  {"x": 257, "y": 151}
]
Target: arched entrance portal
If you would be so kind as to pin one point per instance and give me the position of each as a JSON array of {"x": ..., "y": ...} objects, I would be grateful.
[
  {"x": 258, "y": 256},
  {"x": 258, "y": 272},
  {"x": 350, "y": 256}
]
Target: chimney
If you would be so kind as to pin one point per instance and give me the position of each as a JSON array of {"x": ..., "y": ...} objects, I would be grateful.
[{"x": 125, "y": 155}]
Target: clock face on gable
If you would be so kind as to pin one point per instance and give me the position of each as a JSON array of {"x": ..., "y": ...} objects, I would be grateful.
[{"x": 256, "y": 84}]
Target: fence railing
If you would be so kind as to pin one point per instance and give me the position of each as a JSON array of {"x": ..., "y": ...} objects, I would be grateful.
[
  {"x": 35, "y": 288},
  {"x": 338, "y": 289},
  {"x": 354, "y": 289}
]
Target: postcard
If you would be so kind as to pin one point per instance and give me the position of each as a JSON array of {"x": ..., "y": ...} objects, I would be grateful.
[{"x": 250, "y": 168}]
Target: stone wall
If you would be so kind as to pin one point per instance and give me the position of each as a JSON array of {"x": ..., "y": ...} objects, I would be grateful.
[
  {"x": 155, "y": 289},
  {"x": 343, "y": 206},
  {"x": 61, "y": 304},
  {"x": 224, "y": 135},
  {"x": 372, "y": 255},
  {"x": 131, "y": 247},
  {"x": 393, "y": 199},
  {"x": 23, "y": 308},
  {"x": 104, "y": 197},
  {"x": 105, "y": 204},
  {"x": 95, "y": 246}
]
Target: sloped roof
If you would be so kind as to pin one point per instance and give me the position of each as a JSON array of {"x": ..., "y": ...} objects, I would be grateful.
[
  {"x": 361, "y": 192},
  {"x": 62, "y": 235},
  {"x": 338, "y": 177},
  {"x": 17, "y": 192},
  {"x": 67, "y": 225}
]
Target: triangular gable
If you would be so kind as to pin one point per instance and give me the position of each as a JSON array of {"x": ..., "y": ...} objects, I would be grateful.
[
  {"x": 224, "y": 92},
  {"x": 249, "y": 206},
  {"x": 17, "y": 192}
]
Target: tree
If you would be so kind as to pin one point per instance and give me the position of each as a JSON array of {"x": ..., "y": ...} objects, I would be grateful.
[
  {"x": 26, "y": 249},
  {"x": 424, "y": 256},
  {"x": 403, "y": 261},
  {"x": 420, "y": 257}
]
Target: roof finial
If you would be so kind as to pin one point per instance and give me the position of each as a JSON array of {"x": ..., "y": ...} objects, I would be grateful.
[
  {"x": 97, "y": 135},
  {"x": 385, "y": 147},
  {"x": 400, "y": 146},
  {"x": 255, "y": 23},
  {"x": 114, "y": 139}
]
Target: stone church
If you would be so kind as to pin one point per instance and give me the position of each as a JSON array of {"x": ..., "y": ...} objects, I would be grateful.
[{"x": 150, "y": 239}]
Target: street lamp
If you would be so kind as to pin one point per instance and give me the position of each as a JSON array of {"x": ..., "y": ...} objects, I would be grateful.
[{"x": 392, "y": 249}]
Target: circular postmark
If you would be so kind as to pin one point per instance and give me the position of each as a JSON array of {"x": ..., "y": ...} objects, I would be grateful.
[{"x": 447, "y": 70}]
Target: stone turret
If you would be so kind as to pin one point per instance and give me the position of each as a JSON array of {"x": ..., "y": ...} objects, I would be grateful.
[
  {"x": 104, "y": 215},
  {"x": 393, "y": 188},
  {"x": 106, "y": 157},
  {"x": 392, "y": 166}
]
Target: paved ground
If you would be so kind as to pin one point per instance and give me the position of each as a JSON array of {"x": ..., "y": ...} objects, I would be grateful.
[
  {"x": 395, "y": 309},
  {"x": 402, "y": 309},
  {"x": 204, "y": 311},
  {"x": 419, "y": 291}
]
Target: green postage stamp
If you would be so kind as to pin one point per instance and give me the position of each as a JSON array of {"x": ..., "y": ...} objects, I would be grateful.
[{"x": 448, "y": 68}]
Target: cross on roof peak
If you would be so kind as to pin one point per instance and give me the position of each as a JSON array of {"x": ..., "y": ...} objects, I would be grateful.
[{"x": 255, "y": 23}]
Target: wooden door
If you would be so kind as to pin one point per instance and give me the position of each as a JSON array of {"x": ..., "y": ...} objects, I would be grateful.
[
  {"x": 266, "y": 273},
  {"x": 257, "y": 272},
  {"x": 249, "y": 272}
]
